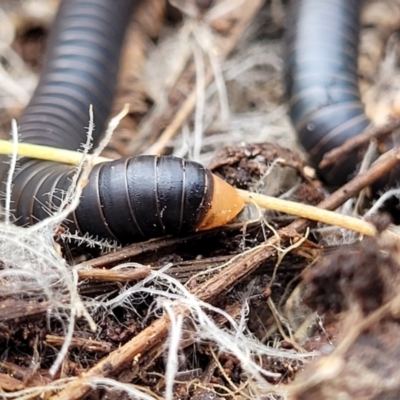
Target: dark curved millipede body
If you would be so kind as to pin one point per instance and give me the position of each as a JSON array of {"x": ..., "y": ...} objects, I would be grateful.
[
  {"x": 127, "y": 199},
  {"x": 322, "y": 81},
  {"x": 117, "y": 203},
  {"x": 80, "y": 69}
]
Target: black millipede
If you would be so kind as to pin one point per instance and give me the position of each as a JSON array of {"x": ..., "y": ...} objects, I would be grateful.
[
  {"x": 322, "y": 81},
  {"x": 127, "y": 199}
]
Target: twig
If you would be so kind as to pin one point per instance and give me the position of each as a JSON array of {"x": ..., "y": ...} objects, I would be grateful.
[
  {"x": 81, "y": 343},
  {"x": 136, "y": 249},
  {"x": 323, "y": 213},
  {"x": 20, "y": 310},
  {"x": 46, "y": 153},
  {"x": 361, "y": 139},
  {"x": 105, "y": 275},
  {"x": 180, "y": 117},
  {"x": 309, "y": 212},
  {"x": 382, "y": 166}
]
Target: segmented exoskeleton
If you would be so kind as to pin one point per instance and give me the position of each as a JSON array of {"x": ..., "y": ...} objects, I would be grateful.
[
  {"x": 322, "y": 81},
  {"x": 130, "y": 198}
]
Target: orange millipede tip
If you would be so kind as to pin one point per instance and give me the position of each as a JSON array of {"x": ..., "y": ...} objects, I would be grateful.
[{"x": 225, "y": 205}]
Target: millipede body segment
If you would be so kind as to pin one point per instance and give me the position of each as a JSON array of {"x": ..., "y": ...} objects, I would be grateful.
[
  {"x": 127, "y": 199},
  {"x": 322, "y": 81}
]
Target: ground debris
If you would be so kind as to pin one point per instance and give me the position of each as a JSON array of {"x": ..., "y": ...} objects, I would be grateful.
[
  {"x": 266, "y": 168},
  {"x": 357, "y": 289},
  {"x": 243, "y": 316}
]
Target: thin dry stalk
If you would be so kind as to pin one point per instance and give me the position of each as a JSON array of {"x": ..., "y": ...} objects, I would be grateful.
[
  {"x": 81, "y": 343},
  {"x": 361, "y": 139},
  {"x": 182, "y": 111},
  {"x": 104, "y": 275}
]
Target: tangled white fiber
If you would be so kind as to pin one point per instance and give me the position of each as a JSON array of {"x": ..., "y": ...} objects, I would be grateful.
[
  {"x": 32, "y": 265},
  {"x": 33, "y": 268}
]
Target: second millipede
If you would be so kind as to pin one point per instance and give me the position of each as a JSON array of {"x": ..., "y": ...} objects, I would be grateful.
[{"x": 322, "y": 80}]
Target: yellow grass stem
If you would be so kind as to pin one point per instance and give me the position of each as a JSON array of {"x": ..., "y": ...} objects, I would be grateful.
[
  {"x": 308, "y": 212},
  {"x": 46, "y": 153},
  {"x": 272, "y": 203}
]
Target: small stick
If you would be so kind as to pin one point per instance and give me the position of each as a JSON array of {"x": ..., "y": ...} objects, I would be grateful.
[
  {"x": 361, "y": 139},
  {"x": 107, "y": 275},
  {"x": 323, "y": 212},
  {"x": 385, "y": 163},
  {"x": 309, "y": 212},
  {"x": 382, "y": 166},
  {"x": 136, "y": 249},
  {"x": 81, "y": 343},
  {"x": 180, "y": 117},
  {"x": 46, "y": 153}
]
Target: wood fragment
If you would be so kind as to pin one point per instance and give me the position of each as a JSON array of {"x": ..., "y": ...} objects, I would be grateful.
[
  {"x": 11, "y": 309},
  {"x": 382, "y": 166},
  {"x": 121, "y": 275},
  {"x": 136, "y": 249},
  {"x": 81, "y": 343},
  {"x": 385, "y": 163},
  {"x": 360, "y": 140},
  {"x": 23, "y": 374}
]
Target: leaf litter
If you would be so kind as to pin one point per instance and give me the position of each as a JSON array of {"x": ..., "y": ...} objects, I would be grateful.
[{"x": 221, "y": 332}]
